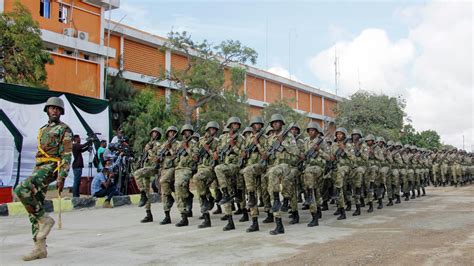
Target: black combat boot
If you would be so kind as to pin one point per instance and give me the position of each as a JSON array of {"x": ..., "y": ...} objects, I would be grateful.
[
  {"x": 269, "y": 218},
  {"x": 398, "y": 201},
  {"x": 169, "y": 201},
  {"x": 285, "y": 205},
  {"x": 357, "y": 211},
  {"x": 254, "y": 226},
  {"x": 205, "y": 207},
  {"x": 295, "y": 219},
  {"x": 207, "y": 221},
  {"x": 167, "y": 219},
  {"x": 342, "y": 216},
  {"x": 319, "y": 212},
  {"x": 245, "y": 215},
  {"x": 362, "y": 202},
  {"x": 390, "y": 202},
  {"x": 239, "y": 196},
  {"x": 224, "y": 218},
  {"x": 371, "y": 207},
  {"x": 218, "y": 210},
  {"x": 276, "y": 202},
  {"x": 239, "y": 210},
  {"x": 143, "y": 199},
  {"x": 424, "y": 192},
  {"x": 260, "y": 203},
  {"x": 418, "y": 193},
  {"x": 148, "y": 218},
  {"x": 325, "y": 206},
  {"x": 184, "y": 220},
  {"x": 413, "y": 196},
  {"x": 304, "y": 206},
  {"x": 279, "y": 229},
  {"x": 225, "y": 197},
  {"x": 380, "y": 204},
  {"x": 201, "y": 217},
  {"x": 314, "y": 220},
  {"x": 337, "y": 212},
  {"x": 230, "y": 224},
  {"x": 252, "y": 200},
  {"x": 299, "y": 197},
  {"x": 189, "y": 205},
  {"x": 232, "y": 205},
  {"x": 348, "y": 206},
  {"x": 407, "y": 196}
]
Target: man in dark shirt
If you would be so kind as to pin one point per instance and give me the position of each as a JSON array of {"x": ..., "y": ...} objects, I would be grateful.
[{"x": 78, "y": 164}]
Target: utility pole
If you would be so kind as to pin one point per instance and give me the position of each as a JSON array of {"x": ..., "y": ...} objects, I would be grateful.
[{"x": 336, "y": 71}]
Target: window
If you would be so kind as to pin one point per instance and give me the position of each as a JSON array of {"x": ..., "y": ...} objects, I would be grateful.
[
  {"x": 45, "y": 8},
  {"x": 63, "y": 13}
]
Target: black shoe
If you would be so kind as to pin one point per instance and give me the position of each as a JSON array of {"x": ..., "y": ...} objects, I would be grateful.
[
  {"x": 413, "y": 195},
  {"x": 348, "y": 206},
  {"x": 224, "y": 218},
  {"x": 325, "y": 206},
  {"x": 285, "y": 206},
  {"x": 207, "y": 221},
  {"x": 407, "y": 196},
  {"x": 252, "y": 200},
  {"x": 337, "y": 212},
  {"x": 276, "y": 202},
  {"x": 343, "y": 214},
  {"x": 319, "y": 212},
  {"x": 362, "y": 202},
  {"x": 245, "y": 216},
  {"x": 218, "y": 210},
  {"x": 143, "y": 199},
  {"x": 239, "y": 210},
  {"x": 167, "y": 219},
  {"x": 205, "y": 206},
  {"x": 314, "y": 221},
  {"x": 390, "y": 202},
  {"x": 189, "y": 213},
  {"x": 380, "y": 204},
  {"x": 269, "y": 218},
  {"x": 254, "y": 226},
  {"x": 357, "y": 211},
  {"x": 169, "y": 201},
  {"x": 189, "y": 204},
  {"x": 398, "y": 201},
  {"x": 230, "y": 224},
  {"x": 260, "y": 204},
  {"x": 305, "y": 207},
  {"x": 371, "y": 207},
  {"x": 225, "y": 197},
  {"x": 201, "y": 217},
  {"x": 279, "y": 229},
  {"x": 295, "y": 219},
  {"x": 424, "y": 192},
  {"x": 418, "y": 193},
  {"x": 184, "y": 220},
  {"x": 148, "y": 218}
]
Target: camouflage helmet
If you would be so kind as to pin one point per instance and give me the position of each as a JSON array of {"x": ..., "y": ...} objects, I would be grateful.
[
  {"x": 390, "y": 143},
  {"x": 342, "y": 130},
  {"x": 212, "y": 124},
  {"x": 171, "y": 128},
  {"x": 369, "y": 137},
  {"x": 413, "y": 148},
  {"x": 380, "y": 139},
  {"x": 196, "y": 135},
  {"x": 314, "y": 125},
  {"x": 398, "y": 144},
  {"x": 157, "y": 129},
  {"x": 247, "y": 129},
  {"x": 187, "y": 127},
  {"x": 54, "y": 101},
  {"x": 256, "y": 120},
  {"x": 407, "y": 147},
  {"x": 233, "y": 119},
  {"x": 295, "y": 125},
  {"x": 225, "y": 130},
  {"x": 268, "y": 130},
  {"x": 277, "y": 117},
  {"x": 356, "y": 131}
]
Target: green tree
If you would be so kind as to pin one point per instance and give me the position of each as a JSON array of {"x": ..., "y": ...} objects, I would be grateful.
[
  {"x": 120, "y": 93},
  {"x": 380, "y": 115},
  {"x": 22, "y": 52},
  {"x": 147, "y": 112},
  {"x": 203, "y": 79},
  {"x": 429, "y": 139},
  {"x": 282, "y": 107}
]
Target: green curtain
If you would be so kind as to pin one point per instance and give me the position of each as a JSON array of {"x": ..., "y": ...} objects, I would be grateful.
[{"x": 18, "y": 140}]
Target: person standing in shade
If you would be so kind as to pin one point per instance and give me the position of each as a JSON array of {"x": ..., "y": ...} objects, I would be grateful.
[{"x": 78, "y": 163}]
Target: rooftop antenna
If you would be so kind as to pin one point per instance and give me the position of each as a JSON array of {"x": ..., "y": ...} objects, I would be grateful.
[
  {"x": 336, "y": 70},
  {"x": 266, "y": 43}
]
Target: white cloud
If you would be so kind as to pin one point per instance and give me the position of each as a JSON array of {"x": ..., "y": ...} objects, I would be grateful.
[
  {"x": 281, "y": 71},
  {"x": 431, "y": 67}
]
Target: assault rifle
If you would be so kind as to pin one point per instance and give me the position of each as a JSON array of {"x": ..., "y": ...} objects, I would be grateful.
[
  {"x": 332, "y": 164},
  {"x": 164, "y": 151},
  {"x": 276, "y": 145},
  {"x": 227, "y": 148},
  {"x": 250, "y": 149},
  {"x": 203, "y": 154},
  {"x": 310, "y": 154}
]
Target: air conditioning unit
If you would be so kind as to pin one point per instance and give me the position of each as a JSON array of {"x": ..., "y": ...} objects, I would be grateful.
[
  {"x": 82, "y": 35},
  {"x": 68, "y": 32}
]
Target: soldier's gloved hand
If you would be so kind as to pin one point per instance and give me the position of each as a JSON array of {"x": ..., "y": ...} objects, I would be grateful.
[{"x": 60, "y": 184}]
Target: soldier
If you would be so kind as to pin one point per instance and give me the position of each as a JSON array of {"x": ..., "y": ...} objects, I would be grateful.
[
  {"x": 383, "y": 171},
  {"x": 280, "y": 152},
  {"x": 315, "y": 156},
  {"x": 148, "y": 171},
  {"x": 359, "y": 168},
  {"x": 372, "y": 169},
  {"x": 435, "y": 156},
  {"x": 266, "y": 199},
  {"x": 215, "y": 184},
  {"x": 444, "y": 166},
  {"x": 454, "y": 165},
  {"x": 397, "y": 168},
  {"x": 185, "y": 158},
  {"x": 227, "y": 171},
  {"x": 205, "y": 174},
  {"x": 254, "y": 145},
  {"x": 52, "y": 164},
  {"x": 166, "y": 163},
  {"x": 417, "y": 166}
]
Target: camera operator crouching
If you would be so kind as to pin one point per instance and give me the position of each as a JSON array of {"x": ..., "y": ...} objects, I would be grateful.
[{"x": 103, "y": 185}]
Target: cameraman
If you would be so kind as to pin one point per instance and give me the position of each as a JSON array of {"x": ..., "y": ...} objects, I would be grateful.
[
  {"x": 100, "y": 154},
  {"x": 78, "y": 163},
  {"x": 102, "y": 186}
]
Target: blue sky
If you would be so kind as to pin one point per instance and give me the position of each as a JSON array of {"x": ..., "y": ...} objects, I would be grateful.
[{"x": 419, "y": 50}]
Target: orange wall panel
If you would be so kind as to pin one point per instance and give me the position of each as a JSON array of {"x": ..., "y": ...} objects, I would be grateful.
[
  {"x": 273, "y": 92},
  {"x": 304, "y": 101},
  {"x": 114, "y": 43},
  {"x": 255, "y": 88},
  {"x": 255, "y": 111},
  {"x": 143, "y": 59},
  {"x": 289, "y": 95},
  {"x": 64, "y": 76},
  {"x": 317, "y": 104},
  {"x": 178, "y": 62},
  {"x": 329, "y": 107}
]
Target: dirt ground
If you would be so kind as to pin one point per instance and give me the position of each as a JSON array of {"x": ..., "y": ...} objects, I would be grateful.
[{"x": 437, "y": 229}]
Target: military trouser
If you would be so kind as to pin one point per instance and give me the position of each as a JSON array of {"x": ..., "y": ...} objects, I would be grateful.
[
  {"x": 456, "y": 172},
  {"x": 167, "y": 187},
  {"x": 289, "y": 187},
  {"x": 144, "y": 177},
  {"x": 418, "y": 178},
  {"x": 182, "y": 176},
  {"x": 32, "y": 193},
  {"x": 227, "y": 176},
  {"x": 276, "y": 174},
  {"x": 371, "y": 175},
  {"x": 403, "y": 179},
  {"x": 203, "y": 180},
  {"x": 411, "y": 180},
  {"x": 381, "y": 180},
  {"x": 251, "y": 174},
  {"x": 342, "y": 173},
  {"x": 348, "y": 185},
  {"x": 264, "y": 183},
  {"x": 393, "y": 183},
  {"x": 444, "y": 172},
  {"x": 435, "y": 173},
  {"x": 357, "y": 179},
  {"x": 312, "y": 179}
]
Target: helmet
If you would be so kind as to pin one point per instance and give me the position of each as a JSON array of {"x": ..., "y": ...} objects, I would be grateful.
[
  {"x": 247, "y": 129},
  {"x": 233, "y": 119},
  {"x": 314, "y": 125},
  {"x": 157, "y": 129},
  {"x": 268, "y": 130},
  {"x": 171, "y": 128},
  {"x": 296, "y": 126},
  {"x": 414, "y": 148},
  {"x": 380, "y": 139},
  {"x": 342, "y": 130},
  {"x": 256, "y": 120},
  {"x": 187, "y": 127},
  {"x": 407, "y": 147},
  {"x": 196, "y": 135},
  {"x": 390, "y": 143},
  {"x": 369, "y": 137},
  {"x": 54, "y": 101},
  {"x": 225, "y": 130},
  {"x": 277, "y": 117},
  {"x": 213, "y": 124},
  {"x": 398, "y": 144},
  {"x": 356, "y": 131}
]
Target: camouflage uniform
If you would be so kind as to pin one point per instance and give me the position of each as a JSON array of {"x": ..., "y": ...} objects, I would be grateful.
[
  {"x": 360, "y": 154},
  {"x": 167, "y": 176},
  {"x": 380, "y": 180},
  {"x": 373, "y": 152},
  {"x": 409, "y": 181},
  {"x": 289, "y": 190},
  {"x": 397, "y": 171},
  {"x": 435, "y": 168},
  {"x": 444, "y": 167}
]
